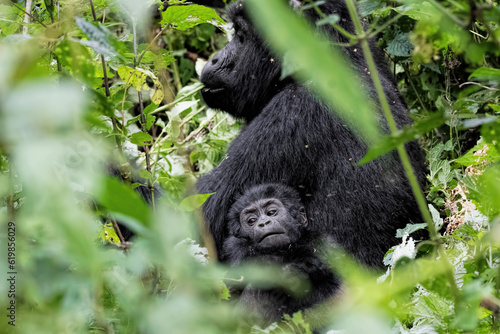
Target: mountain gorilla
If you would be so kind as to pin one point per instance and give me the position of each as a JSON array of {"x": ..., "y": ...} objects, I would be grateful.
[
  {"x": 268, "y": 223},
  {"x": 293, "y": 138}
]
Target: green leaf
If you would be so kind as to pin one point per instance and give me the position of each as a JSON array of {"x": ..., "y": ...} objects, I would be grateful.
[
  {"x": 99, "y": 38},
  {"x": 421, "y": 10},
  {"x": 489, "y": 190},
  {"x": 409, "y": 229},
  {"x": 400, "y": 46},
  {"x": 467, "y": 309},
  {"x": 486, "y": 74},
  {"x": 408, "y": 133},
  {"x": 471, "y": 158},
  {"x": 141, "y": 138},
  {"x": 108, "y": 233},
  {"x": 120, "y": 199},
  {"x": 330, "y": 19},
  {"x": 325, "y": 66},
  {"x": 224, "y": 293},
  {"x": 436, "y": 217},
  {"x": 134, "y": 77},
  {"x": 150, "y": 120},
  {"x": 145, "y": 174},
  {"x": 193, "y": 202},
  {"x": 495, "y": 107},
  {"x": 185, "y": 17}
]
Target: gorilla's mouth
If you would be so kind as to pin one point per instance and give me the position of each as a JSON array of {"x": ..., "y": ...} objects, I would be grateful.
[
  {"x": 265, "y": 236},
  {"x": 212, "y": 90}
]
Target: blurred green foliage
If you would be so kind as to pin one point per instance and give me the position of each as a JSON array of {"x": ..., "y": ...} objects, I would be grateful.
[{"x": 79, "y": 92}]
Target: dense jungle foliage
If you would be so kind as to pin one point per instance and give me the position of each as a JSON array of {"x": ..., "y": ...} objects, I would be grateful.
[{"x": 89, "y": 86}]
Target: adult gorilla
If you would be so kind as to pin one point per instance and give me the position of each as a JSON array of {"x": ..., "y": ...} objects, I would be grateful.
[{"x": 292, "y": 138}]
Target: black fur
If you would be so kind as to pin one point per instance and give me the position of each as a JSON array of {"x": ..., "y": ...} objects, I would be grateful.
[
  {"x": 265, "y": 306},
  {"x": 292, "y": 138}
]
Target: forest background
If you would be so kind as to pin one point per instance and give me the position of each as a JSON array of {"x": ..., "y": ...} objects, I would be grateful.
[{"x": 86, "y": 85}]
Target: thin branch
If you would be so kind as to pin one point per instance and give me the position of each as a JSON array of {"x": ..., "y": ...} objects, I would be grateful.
[
  {"x": 173, "y": 103},
  {"x": 93, "y": 10},
  {"x": 28, "y": 14},
  {"x": 118, "y": 231},
  {"x": 447, "y": 13},
  {"x": 372, "y": 33},
  {"x": 144, "y": 129},
  {"x": 341, "y": 30},
  {"x": 478, "y": 84},
  {"x": 151, "y": 44},
  {"x": 141, "y": 107}
]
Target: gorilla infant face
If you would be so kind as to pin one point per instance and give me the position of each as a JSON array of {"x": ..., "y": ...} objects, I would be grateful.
[
  {"x": 266, "y": 218},
  {"x": 264, "y": 221}
]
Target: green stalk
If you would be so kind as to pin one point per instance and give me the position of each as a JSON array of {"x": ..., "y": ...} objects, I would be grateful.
[{"x": 417, "y": 192}]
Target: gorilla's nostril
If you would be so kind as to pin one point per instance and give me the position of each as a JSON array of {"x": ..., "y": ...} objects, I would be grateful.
[{"x": 214, "y": 60}]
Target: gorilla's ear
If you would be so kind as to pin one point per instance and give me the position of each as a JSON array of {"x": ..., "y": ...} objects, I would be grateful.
[
  {"x": 303, "y": 216},
  {"x": 296, "y": 4}
]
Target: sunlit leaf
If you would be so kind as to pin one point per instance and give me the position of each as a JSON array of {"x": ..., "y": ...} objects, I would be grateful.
[
  {"x": 185, "y": 17},
  {"x": 194, "y": 202}
]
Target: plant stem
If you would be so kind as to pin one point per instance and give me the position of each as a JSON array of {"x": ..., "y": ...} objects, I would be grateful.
[
  {"x": 141, "y": 108},
  {"x": 352, "y": 38},
  {"x": 419, "y": 196},
  {"x": 106, "y": 83},
  {"x": 445, "y": 12},
  {"x": 173, "y": 103},
  {"x": 27, "y": 15},
  {"x": 151, "y": 44}
]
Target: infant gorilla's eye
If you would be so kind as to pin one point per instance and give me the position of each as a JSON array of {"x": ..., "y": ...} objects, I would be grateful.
[
  {"x": 272, "y": 212},
  {"x": 251, "y": 221}
]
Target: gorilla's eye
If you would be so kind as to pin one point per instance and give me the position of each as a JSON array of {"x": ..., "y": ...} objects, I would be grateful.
[
  {"x": 272, "y": 212},
  {"x": 251, "y": 221}
]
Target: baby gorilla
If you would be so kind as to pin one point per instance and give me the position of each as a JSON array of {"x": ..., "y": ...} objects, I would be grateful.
[{"x": 268, "y": 223}]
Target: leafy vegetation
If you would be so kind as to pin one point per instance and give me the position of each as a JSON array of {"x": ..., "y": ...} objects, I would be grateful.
[{"x": 85, "y": 85}]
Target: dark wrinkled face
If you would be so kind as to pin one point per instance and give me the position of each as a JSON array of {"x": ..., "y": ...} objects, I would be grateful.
[
  {"x": 241, "y": 77},
  {"x": 268, "y": 224}
]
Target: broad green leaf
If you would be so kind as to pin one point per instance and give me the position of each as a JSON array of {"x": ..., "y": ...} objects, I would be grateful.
[
  {"x": 400, "y": 46},
  {"x": 495, "y": 107},
  {"x": 108, "y": 233},
  {"x": 421, "y": 10},
  {"x": 467, "y": 309},
  {"x": 332, "y": 77},
  {"x": 118, "y": 198},
  {"x": 141, "y": 138},
  {"x": 145, "y": 174},
  {"x": 488, "y": 154},
  {"x": 489, "y": 188},
  {"x": 137, "y": 79},
  {"x": 134, "y": 77},
  {"x": 193, "y": 202},
  {"x": 366, "y": 7},
  {"x": 99, "y": 38},
  {"x": 78, "y": 60},
  {"x": 486, "y": 73},
  {"x": 185, "y": 17},
  {"x": 409, "y": 229}
]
